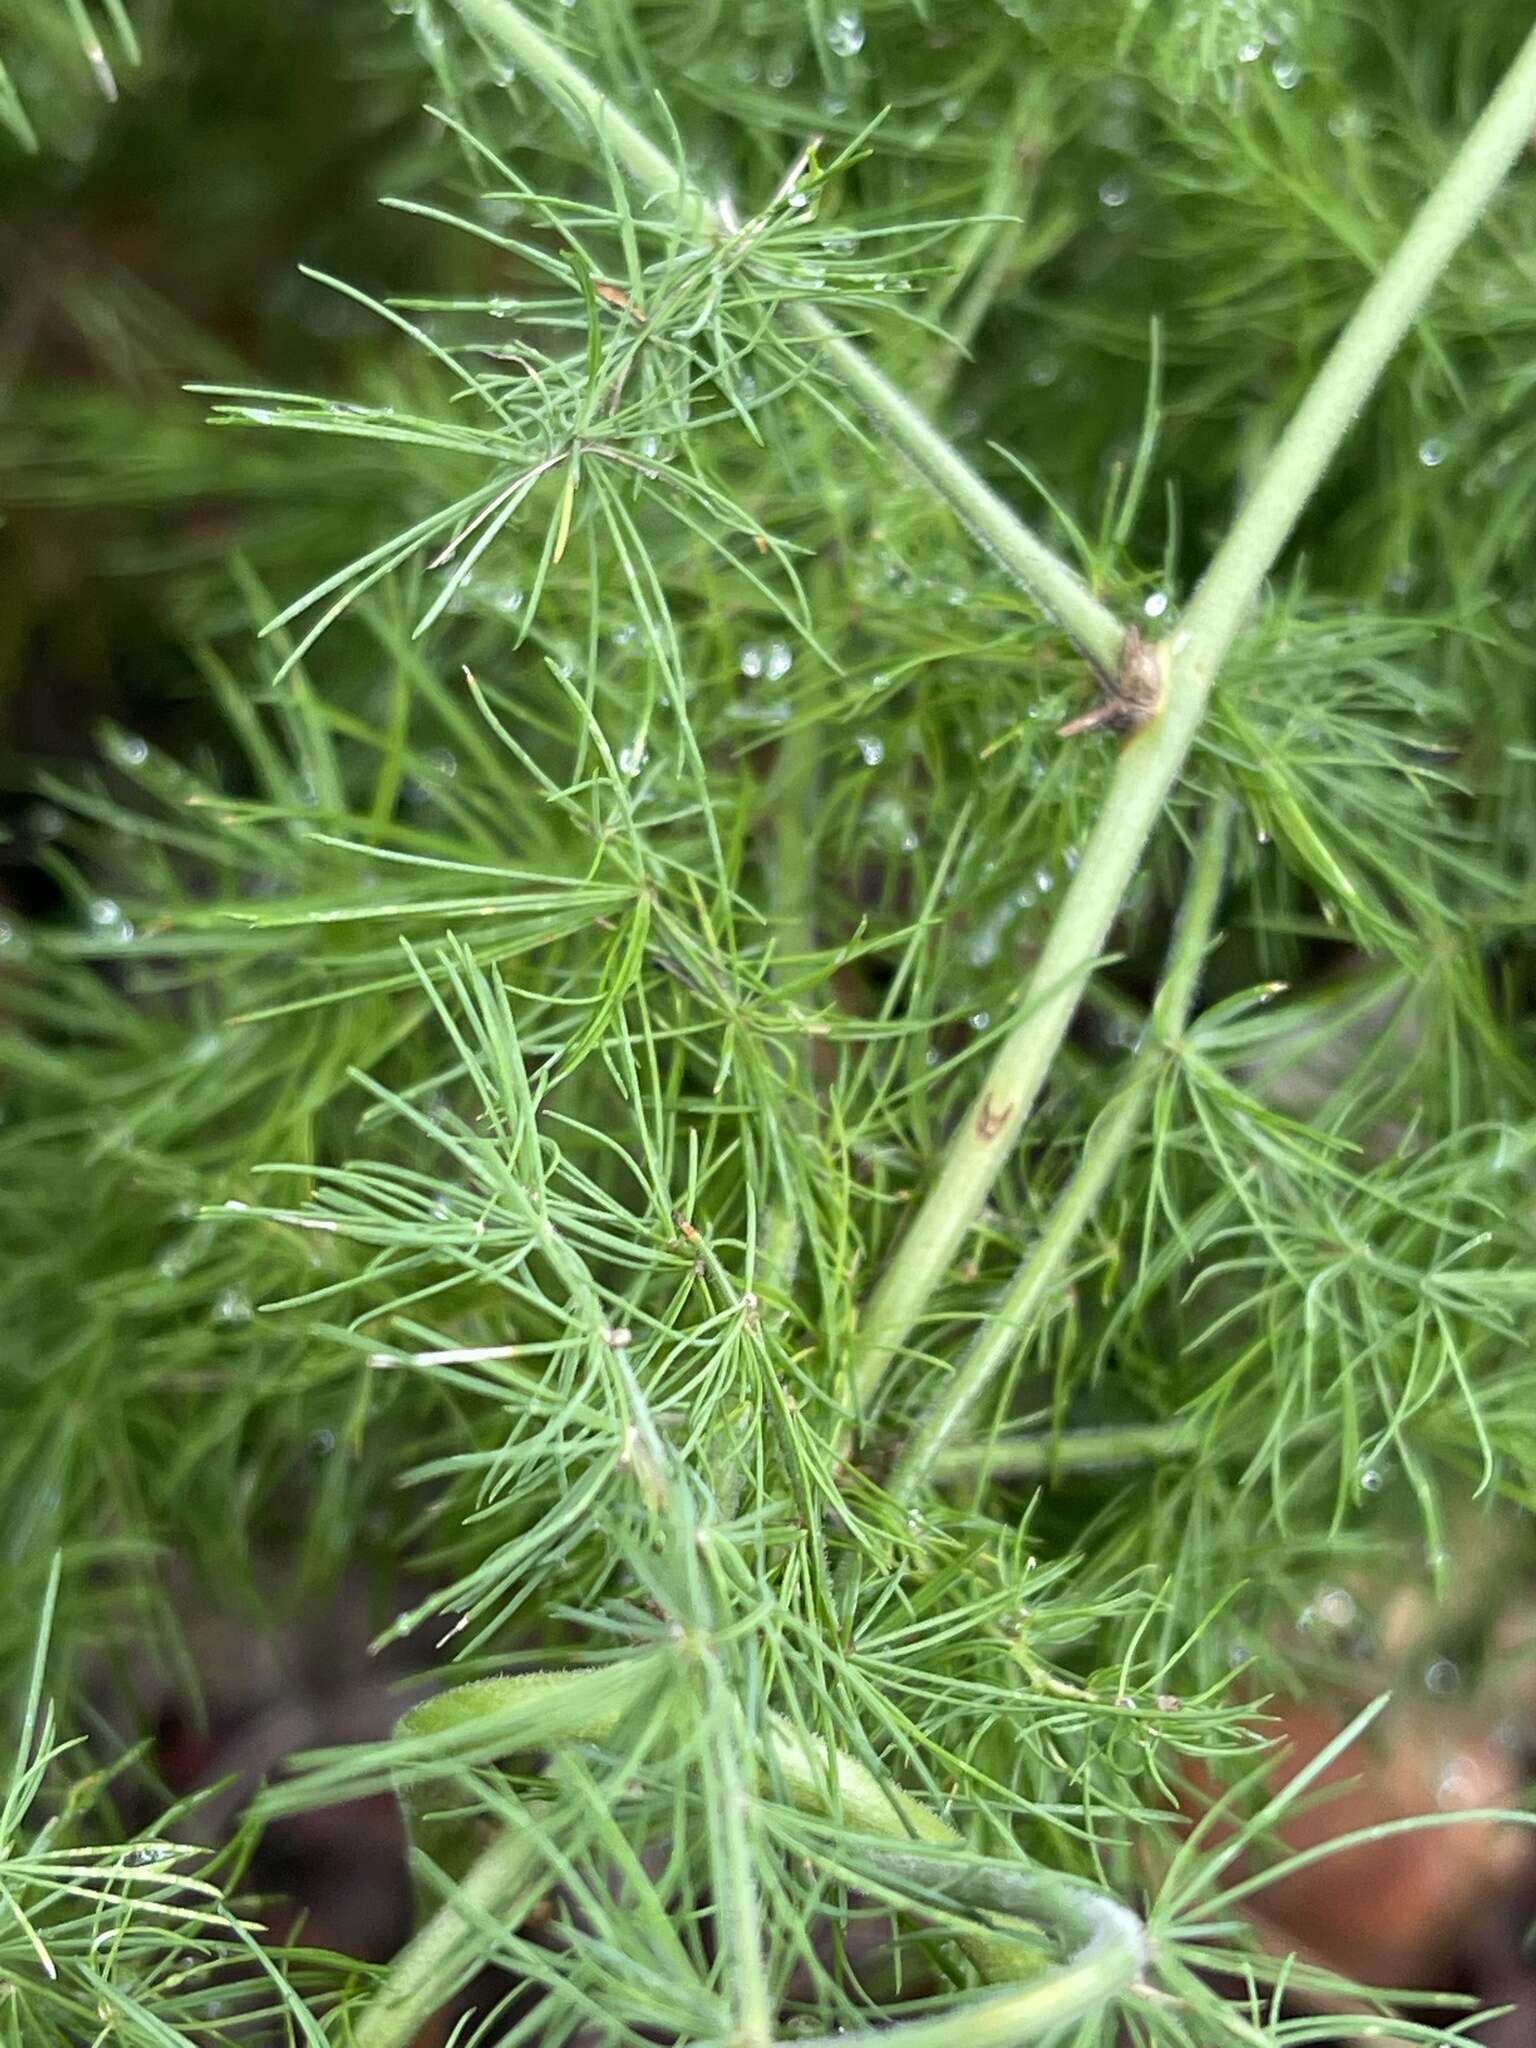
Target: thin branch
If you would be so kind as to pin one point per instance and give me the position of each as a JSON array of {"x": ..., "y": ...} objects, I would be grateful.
[
  {"x": 1055, "y": 586},
  {"x": 1151, "y": 760},
  {"x": 1104, "y": 1448},
  {"x": 1108, "y": 1142}
]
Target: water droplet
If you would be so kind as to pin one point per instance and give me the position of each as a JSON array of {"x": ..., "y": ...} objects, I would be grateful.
[
  {"x": 871, "y": 749},
  {"x": 1155, "y": 603},
  {"x": 778, "y": 662},
  {"x": 1336, "y": 1607},
  {"x": 128, "y": 750},
  {"x": 1347, "y": 121},
  {"x": 45, "y": 821},
  {"x": 1043, "y": 370},
  {"x": 232, "y": 1306},
  {"x": 980, "y": 1019},
  {"x": 781, "y": 72},
  {"x": 1372, "y": 1479},
  {"x": 442, "y": 761},
  {"x": 1432, "y": 452},
  {"x": 1442, "y": 1677},
  {"x": 13, "y": 941},
  {"x": 1114, "y": 191},
  {"x": 320, "y": 1446},
  {"x": 632, "y": 758},
  {"x": 1286, "y": 73},
  {"x": 144, "y": 1853},
  {"x": 845, "y": 33},
  {"x": 751, "y": 663},
  {"x": 103, "y": 912},
  {"x": 1251, "y": 51}
]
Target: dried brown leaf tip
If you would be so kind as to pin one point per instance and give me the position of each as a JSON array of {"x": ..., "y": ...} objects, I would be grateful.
[{"x": 1131, "y": 697}]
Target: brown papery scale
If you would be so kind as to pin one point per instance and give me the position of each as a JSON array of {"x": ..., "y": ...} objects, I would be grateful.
[{"x": 1131, "y": 697}]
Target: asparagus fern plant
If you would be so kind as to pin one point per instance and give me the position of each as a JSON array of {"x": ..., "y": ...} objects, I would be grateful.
[{"x": 852, "y": 1256}]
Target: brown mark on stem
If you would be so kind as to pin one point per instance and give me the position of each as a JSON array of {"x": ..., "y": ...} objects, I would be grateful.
[
  {"x": 1131, "y": 697},
  {"x": 992, "y": 1118}
]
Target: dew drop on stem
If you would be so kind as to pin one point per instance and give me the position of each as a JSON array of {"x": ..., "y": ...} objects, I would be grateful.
[
  {"x": 1442, "y": 1678},
  {"x": 845, "y": 32},
  {"x": 232, "y": 1306}
]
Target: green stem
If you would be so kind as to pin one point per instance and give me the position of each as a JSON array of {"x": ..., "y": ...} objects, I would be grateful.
[
  {"x": 1055, "y": 586},
  {"x": 913, "y": 1846},
  {"x": 1102, "y": 1449},
  {"x": 792, "y": 907},
  {"x": 1150, "y": 763},
  {"x": 1111, "y": 1138},
  {"x": 432, "y": 1963}
]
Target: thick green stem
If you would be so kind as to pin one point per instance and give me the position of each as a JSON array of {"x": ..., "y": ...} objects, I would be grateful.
[
  {"x": 1150, "y": 762},
  {"x": 912, "y": 1846},
  {"x": 1102, "y": 1449},
  {"x": 1055, "y": 586},
  {"x": 1111, "y": 1138}
]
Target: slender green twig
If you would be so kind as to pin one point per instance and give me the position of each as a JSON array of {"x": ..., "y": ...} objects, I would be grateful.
[
  {"x": 1108, "y": 1142},
  {"x": 1055, "y": 586},
  {"x": 791, "y": 900},
  {"x": 1150, "y": 762},
  {"x": 912, "y": 1846},
  {"x": 1102, "y": 1448}
]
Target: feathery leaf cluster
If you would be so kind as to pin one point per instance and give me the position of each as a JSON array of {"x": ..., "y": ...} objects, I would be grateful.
[{"x": 470, "y": 1056}]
